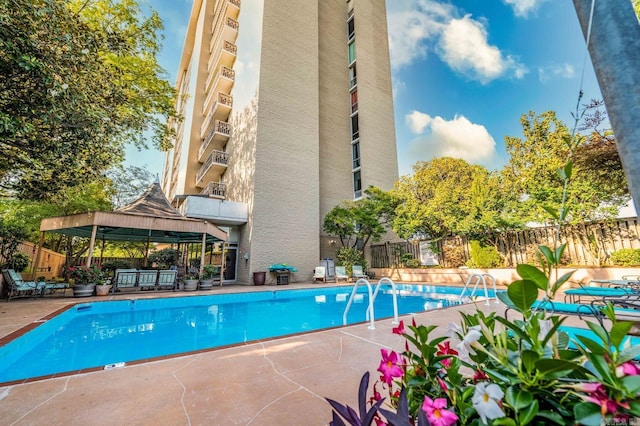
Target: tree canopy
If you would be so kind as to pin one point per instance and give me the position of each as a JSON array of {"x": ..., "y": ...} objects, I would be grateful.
[{"x": 80, "y": 81}]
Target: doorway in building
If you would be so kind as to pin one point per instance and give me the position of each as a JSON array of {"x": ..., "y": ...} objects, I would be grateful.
[{"x": 231, "y": 254}]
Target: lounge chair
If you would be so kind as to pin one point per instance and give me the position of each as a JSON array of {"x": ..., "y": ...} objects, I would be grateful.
[
  {"x": 147, "y": 280},
  {"x": 53, "y": 287},
  {"x": 574, "y": 332},
  {"x": 341, "y": 274},
  {"x": 358, "y": 273},
  {"x": 167, "y": 279},
  {"x": 574, "y": 294},
  {"x": 17, "y": 287},
  {"x": 319, "y": 274}
]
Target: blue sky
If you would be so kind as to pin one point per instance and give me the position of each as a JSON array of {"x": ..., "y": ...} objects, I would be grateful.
[{"x": 463, "y": 73}]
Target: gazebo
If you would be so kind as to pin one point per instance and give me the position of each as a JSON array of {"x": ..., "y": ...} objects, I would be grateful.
[{"x": 150, "y": 218}]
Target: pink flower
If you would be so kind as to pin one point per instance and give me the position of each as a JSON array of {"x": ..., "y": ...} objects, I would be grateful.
[
  {"x": 389, "y": 366},
  {"x": 436, "y": 413},
  {"x": 445, "y": 349},
  {"x": 629, "y": 368},
  {"x": 399, "y": 330},
  {"x": 598, "y": 395},
  {"x": 480, "y": 375}
]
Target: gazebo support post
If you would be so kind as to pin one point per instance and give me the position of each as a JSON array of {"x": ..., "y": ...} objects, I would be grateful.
[
  {"x": 92, "y": 243},
  {"x": 202, "y": 252},
  {"x": 146, "y": 250},
  {"x": 222, "y": 263}
]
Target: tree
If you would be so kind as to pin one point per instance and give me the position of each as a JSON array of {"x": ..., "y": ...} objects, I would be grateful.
[
  {"x": 545, "y": 148},
  {"x": 448, "y": 196},
  {"x": 356, "y": 223},
  {"x": 128, "y": 183},
  {"x": 11, "y": 235},
  {"x": 80, "y": 80}
]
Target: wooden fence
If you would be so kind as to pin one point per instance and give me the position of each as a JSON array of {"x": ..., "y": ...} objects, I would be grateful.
[
  {"x": 49, "y": 266},
  {"x": 590, "y": 245}
]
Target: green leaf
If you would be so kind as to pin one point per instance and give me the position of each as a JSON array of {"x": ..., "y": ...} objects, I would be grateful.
[
  {"x": 531, "y": 273},
  {"x": 553, "y": 212},
  {"x": 550, "y": 366},
  {"x": 529, "y": 359},
  {"x": 632, "y": 384},
  {"x": 548, "y": 254},
  {"x": 587, "y": 413},
  {"x": 523, "y": 294},
  {"x": 619, "y": 331},
  {"x": 504, "y": 421},
  {"x": 529, "y": 413},
  {"x": 518, "y": 398},
  {"x": 563, "y": 279}
]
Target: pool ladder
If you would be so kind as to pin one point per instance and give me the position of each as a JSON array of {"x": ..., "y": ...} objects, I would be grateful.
[
  {"x": 480, "y": 278},
  {"x": 372, "y": 299}
]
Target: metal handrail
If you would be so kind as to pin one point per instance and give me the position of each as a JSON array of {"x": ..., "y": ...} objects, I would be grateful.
[
  {"x": 369, "y": 309},
  {"x": 394, "y": 294},
  {"x": 480, "y": 278}
]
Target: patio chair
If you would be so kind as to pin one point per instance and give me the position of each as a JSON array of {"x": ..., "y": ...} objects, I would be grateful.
[
  {"x": 167, "y": 279},
  {"x": 52, "y": 287},
  {"x": 358, "y": 273},
  {"x": 574, "y": 332},
  {"x": 147, "y": 280},
  {"x": 17, "y": 287},
  {"x": 124, "y": 278},
  {"x": 319, "y": 274},
  {"x": 341, "y": 274}
]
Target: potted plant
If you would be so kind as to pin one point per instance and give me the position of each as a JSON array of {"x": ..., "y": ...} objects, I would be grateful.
[
  {"x": 85, "y": 279},
  {"x": 103, "y": 287},
  {"x": 191, "y": 281},
  {"x": 206, "y": 280}
]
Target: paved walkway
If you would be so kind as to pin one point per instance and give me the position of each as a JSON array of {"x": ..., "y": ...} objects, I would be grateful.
[{"x": 276, "y": 382}]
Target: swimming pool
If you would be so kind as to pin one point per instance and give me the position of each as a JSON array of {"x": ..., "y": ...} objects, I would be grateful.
[{"x": 106, "y": 334}]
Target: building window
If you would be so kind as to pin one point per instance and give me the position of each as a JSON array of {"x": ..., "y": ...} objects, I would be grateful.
[
  {"x": 352, "y": 52},
  {"x": 354, "y": 101},
  {"x": 355, "y": 132},
  {"x": 351, "y": 29},
  {"x": 353, "y": 80},
  {"x": 355, "y": 154},
  {"x": 357, "y": 184}
]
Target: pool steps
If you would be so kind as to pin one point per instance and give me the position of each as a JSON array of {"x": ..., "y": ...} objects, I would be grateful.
[{"x": 480, "y": 278}]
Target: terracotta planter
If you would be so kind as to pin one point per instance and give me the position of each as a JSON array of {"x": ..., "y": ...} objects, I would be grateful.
[
  {"x": 83, "y": 290},
  {"x": 103, "y": 290},
  {"x": 190, "y": 285},
  {"x": 206, "y": 284}
]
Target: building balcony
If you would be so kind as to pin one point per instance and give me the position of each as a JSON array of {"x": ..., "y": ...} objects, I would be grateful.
[
  {"x": 230, "y": 29},
  {"x": 232, "y": 8},
  {"x": 219, "y": 111},
  {"x": 213, "y": 168},
  {"x": 223, "y": 54},
  {"x": 216, "y": 138},
  {"x": 223, "y": 82},
  {"x": 215, "y": 190}
]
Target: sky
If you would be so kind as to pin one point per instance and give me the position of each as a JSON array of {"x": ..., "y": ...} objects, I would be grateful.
[{"x": 463, "y": 73}]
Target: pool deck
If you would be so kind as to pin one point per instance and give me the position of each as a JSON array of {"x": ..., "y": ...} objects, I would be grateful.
[{"x": 273, "y": 382}]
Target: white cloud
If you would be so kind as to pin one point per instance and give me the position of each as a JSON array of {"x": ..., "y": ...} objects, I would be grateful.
[
  {"x": 556, "y": 71},
  {"x": 419, "y": 26},
  {"x": 465, "y": 48},
  {"x": 458, "y": 138},
  {"x": 522, "y": 8}
]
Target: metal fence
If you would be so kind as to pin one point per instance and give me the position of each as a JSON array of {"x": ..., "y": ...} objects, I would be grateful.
[{"x": 587, "y": 244}]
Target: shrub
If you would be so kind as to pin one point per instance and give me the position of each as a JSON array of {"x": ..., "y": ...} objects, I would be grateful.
[
  {"x": 19, "y": 261},
  {"x": 454, "y": 256},
  {"x": 484, "y": 256},
  {"x": 110, "y": 266},
  {"x": 626, "y": 257},
  {"x": 413, "y": 263},
  {"x": 348, "y": 256},
  {"x": 164, "y": 258}
]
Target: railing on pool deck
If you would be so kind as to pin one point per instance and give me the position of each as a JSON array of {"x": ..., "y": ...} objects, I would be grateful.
[
  {"x": 481, "y": 278},
  {"x": 372, "y": 299}
]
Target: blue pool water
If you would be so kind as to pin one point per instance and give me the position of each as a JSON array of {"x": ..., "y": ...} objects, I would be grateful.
[{"x": 104, "y": 333}]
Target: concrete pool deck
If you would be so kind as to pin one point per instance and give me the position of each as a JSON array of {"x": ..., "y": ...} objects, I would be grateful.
[{"x": 273, "y": 382}]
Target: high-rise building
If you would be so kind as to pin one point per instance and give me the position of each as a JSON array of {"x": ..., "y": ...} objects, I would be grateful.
[{"x": 288, "y": 111}]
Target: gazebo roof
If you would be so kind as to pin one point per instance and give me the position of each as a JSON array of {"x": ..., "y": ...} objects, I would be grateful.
[{"x": 151, "y": 217}]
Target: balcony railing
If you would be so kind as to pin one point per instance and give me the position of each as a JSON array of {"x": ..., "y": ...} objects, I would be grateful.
[
  {"x": 216, "y": 157},
  {"x": 219, "y": 127},
  {"x": 354, "y": 107},
  {"x": 215, "y": 189},
  {"x": 354, "y": 82},
  {"x": 223, "y": 101},
  {"x": 223, "y": 82}
]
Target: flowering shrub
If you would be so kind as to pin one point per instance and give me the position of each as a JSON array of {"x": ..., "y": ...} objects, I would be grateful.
[
  {"x": 489, "y": 370},
  {"x": 86, "y": 275}
]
